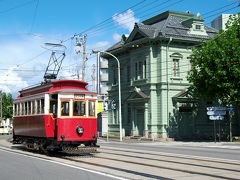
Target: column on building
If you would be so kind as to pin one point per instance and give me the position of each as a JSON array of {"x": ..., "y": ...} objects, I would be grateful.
[
  {"x": 146, "y": 131},
  {"x": 133, "y": 133}
]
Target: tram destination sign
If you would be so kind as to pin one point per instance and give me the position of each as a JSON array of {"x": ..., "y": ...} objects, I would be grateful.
[{"x": 79, "y": 96}]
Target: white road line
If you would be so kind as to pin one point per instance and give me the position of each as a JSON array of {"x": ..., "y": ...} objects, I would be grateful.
[
  {"x": 225, "y": 147},
  {"x": 176, "y": 155},
  {"x": 68, "y": 165}
]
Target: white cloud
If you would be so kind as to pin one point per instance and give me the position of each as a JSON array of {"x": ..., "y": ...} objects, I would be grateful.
[
  {"x": 101, "y": 45},
  {"x": 22, "y": 53},
  {"x": 67, "y": 75},
  {"x": 20, "y": 65},
  {"x": 126, "y": 20},
  {"x": 11, "y": 82},
  {"x": 117, "y": 37}
]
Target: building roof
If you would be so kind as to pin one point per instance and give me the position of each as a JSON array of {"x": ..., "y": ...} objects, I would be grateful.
[{"x": 167, "y": 24}]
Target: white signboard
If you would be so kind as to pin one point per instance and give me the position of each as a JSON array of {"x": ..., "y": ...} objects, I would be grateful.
[
  {"x": 216, "y": 118},
  {"x": 79, "y": 96},
  {"x": 229, "y": 108},
  {"x": 216, "y": 113},
  {"x": 216, "y": 108}
]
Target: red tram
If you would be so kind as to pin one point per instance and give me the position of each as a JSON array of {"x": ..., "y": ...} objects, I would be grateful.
[{"x": 56, "y": 116}]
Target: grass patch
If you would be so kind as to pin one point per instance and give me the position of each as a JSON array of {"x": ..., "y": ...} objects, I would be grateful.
[{"x": 236, "y": 140}]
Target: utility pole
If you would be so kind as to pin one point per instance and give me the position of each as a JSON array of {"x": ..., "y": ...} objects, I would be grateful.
[
  {"x": 98, "y": 72},
  {"x": 81, "y": 41},
  {"x": 119, "y": 91},
  {"x": 93, "y": 77},
  {"x": 84, "y": 57}
]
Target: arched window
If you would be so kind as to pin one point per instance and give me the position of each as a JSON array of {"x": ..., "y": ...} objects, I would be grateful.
[{"x": 176, "y": 58}]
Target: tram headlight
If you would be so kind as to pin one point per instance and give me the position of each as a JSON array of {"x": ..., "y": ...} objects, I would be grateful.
[{"x": 80, "y": 130}]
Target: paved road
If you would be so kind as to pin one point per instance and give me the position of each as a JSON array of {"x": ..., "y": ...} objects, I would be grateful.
[
  {"x": 127, "y": 160},
  {"x": 18, "y": 167},
  {"x": 5, "y": 136},
  {"x": 210, "y": 151}
]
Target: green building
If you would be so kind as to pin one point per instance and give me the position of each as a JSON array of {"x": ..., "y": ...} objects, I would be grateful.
[{"x": 154, "y": 62}]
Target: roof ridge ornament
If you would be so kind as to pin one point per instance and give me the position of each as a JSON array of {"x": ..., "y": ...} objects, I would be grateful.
[{"x": 136, "y": 25}]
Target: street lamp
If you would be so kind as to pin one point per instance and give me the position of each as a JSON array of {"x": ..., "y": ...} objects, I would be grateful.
[{"x": 119, "y": 90}]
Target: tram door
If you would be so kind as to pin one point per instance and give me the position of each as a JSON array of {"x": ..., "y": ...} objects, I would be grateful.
[{"x": 54, "y": 110}]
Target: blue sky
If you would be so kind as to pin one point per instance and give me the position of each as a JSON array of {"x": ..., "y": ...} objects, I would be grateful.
[{"x": 25, "y": 25}]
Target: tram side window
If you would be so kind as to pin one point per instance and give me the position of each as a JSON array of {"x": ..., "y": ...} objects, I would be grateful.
[
  {"x": 18, "y": 109},
  {"x": 91, "y": 108},
  {"x": 33, "y": 107},
  {"x": 65, "y": 108},
  {"x": 25, "y": 108},
  {"x": 79, "y": 108},
  {"x": 42, "y": 106},
  {"x": 15, "y": 110},
  {"x": 29, "y": 107},
  {"x": 38, "y": 106},
  {"x": 22, "y": 108}
]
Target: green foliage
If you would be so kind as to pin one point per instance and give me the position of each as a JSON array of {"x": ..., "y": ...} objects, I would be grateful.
[
  {"x": 7, "y": 105},
  {"x": 215, "y": 73}
]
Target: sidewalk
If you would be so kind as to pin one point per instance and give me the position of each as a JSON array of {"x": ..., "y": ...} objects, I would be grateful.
[{"x": 144, "y": 141}]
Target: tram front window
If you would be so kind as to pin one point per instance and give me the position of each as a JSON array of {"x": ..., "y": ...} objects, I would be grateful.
[
  {"x": 79, "y": 108},
  {"x": 65, "y": 108}
]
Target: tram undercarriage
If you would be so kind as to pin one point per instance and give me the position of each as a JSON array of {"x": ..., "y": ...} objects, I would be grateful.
[{"x": 50, "y": 145}]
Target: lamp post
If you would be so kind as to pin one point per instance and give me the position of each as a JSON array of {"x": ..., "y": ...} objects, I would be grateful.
[{"x": 119, "y": 90}]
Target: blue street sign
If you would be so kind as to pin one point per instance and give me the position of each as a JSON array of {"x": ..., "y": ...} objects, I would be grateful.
[
  {"x": 216, "y": 108},
  {"x": 231, "y": 108},
  {"x": 216, "y": 118},
  {"x": 216, "y": 113}
]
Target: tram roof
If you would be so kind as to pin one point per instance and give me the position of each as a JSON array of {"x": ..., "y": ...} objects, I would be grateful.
[{"x": 57, "y": 86}]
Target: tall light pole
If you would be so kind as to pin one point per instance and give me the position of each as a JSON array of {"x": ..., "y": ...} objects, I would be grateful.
[{"x": 119, "y": 90}]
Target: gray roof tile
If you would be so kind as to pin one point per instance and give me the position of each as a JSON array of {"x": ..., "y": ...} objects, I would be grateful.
[{"x": 169, "y": 25}]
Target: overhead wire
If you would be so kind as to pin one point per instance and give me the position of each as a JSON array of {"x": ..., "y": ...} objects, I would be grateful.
[
  {"x": 110, "y": 18},
  {"x": 34, "y": 16},
  {"x": 223, "y": 11},
  {"x": 18, "y": 6},
  {"x": 33, "y": 58},
  {"x": 98, "y": 32},
  {"x": 171, "y": 68},
  {"x": 209, "y": 12},
  {"x": 197, "y": 45},
  {"x": 145, "y": 15},
  {"x": 124, "y": 21},
  {"x": 135, "y": 11}
]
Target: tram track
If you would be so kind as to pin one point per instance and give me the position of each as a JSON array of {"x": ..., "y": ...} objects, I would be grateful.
[
  {"x": 146, "y": 165},
  {"x": 176, "y": 162},
  {"x": 177, "y": 156},
  {"x": 152, "y": 165}
]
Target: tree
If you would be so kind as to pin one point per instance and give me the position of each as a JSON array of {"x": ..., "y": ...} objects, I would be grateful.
[
  {"x": 215, "y": 73},
  {"x": 7, "y": 105}
]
